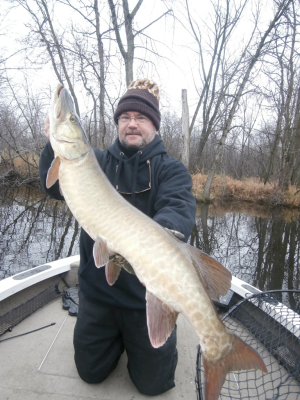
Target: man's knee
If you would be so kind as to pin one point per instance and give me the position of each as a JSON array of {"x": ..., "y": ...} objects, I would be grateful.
[
  {"x": 155, "y": 381},
  {"x": 96, "y": 360},
  {"x": 89, "y": 374},
  {"x": 149, "y": 389}
]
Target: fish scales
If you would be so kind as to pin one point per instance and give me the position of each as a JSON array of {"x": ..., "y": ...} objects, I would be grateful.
[
  {"x": 132, "y": 242},
  {"x": 178, "y": 277}
]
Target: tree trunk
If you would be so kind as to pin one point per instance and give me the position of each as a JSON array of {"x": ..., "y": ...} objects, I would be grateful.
[
  {"x": 296, "y": 142},
  {"x": 61, "y": 58},
  {"x": 285, "y": 172},
  {"x": 185, "y": 157},
  {"x": 102, "y": 126},
  {"x": 128, "y": 56}
]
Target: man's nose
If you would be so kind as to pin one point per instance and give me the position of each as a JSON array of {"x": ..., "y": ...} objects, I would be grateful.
[{"x": 132, "y": 122}]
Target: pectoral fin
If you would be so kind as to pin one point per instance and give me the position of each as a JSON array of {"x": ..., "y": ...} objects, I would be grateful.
[
  {"x": 52, "y": 175},
  {"x": 100, "y": 253},
  {"x": 112, "y": 271},
  {"x": 161, "y": 320}
]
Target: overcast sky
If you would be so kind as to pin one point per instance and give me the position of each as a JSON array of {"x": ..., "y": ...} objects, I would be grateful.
[{"x": 176, "y": 71}]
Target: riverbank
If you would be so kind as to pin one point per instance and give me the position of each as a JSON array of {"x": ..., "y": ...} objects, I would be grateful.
[
  {"x": 20, "y": 169},
  {"x": 23, "y": 170},
  {"x": 250, "y": 190}
]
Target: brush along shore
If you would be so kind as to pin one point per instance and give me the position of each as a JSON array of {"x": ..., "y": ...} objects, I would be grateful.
[
  {"x": 252, "y": 190},
  {"x": 22, "y": 169}
]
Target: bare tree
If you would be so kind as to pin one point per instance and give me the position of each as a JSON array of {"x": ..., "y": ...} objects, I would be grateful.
[
  {"x": 170, "y": 132},
  {"x": 283, "y": 6},
  {"x": 100, "y": 48},
  {"x": 185, "y": 129},
  {"x": 21, "y": 138},
  {"x": 296, "y": 142},
  {"x": 91, "y": 60},
  {"x": 281, "y": 72},
  {"x": 219, "y": 74},
  {"x": 127, "y": 50},
  {"x": 288, "y": 149},
  {"x": 43, "y": 28}
]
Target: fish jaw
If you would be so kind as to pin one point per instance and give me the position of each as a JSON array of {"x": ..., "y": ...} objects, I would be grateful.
[{"x": 67, "y": 136}]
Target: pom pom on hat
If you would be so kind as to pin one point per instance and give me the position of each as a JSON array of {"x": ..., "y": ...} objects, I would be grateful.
[
  {"x": 148, "y": 84},
  {"x": 142, "y": 96}
]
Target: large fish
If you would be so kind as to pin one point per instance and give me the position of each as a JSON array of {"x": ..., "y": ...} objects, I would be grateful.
[{"x": 177, "y": 276}]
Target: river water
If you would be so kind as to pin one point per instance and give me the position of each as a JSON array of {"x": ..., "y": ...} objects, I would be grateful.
[{"x": 258, "y": 245}]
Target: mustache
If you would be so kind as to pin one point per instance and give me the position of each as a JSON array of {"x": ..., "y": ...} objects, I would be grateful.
[{"x": 133, "y": 132}]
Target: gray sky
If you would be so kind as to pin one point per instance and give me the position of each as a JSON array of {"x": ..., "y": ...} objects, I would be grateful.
[{"x": 176, "y": 71}]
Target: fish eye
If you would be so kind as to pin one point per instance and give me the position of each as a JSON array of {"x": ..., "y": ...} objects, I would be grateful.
[{"x": 72, "y": 118}]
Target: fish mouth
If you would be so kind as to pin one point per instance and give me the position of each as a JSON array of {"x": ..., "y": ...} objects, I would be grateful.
[
  {"x": 64, "y": 141},
  {"x": 61, "y": 110},
  {"x": 59, "y": 89}
]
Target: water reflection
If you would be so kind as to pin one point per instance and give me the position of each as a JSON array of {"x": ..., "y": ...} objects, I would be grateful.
[
  {"x": 34, "y": 230},
  {"x": 257, "y": 245}
]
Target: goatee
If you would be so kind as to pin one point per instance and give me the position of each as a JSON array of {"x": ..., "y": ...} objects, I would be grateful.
[{"x": 132, "y": 147}]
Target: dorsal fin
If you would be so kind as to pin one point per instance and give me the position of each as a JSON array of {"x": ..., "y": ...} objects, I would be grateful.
[{"x": 213, "y": 275}]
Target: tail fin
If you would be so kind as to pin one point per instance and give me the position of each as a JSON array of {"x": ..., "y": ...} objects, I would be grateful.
[{"x": 241, "y": 357}]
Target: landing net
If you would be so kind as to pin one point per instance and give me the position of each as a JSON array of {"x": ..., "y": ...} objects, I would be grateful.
[
  {"x": 15, "y": 316},
  {"x": 273, "y": 330}
]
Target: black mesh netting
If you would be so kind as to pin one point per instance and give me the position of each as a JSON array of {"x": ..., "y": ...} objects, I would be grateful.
[
  {"x": 273, "y": 330},
  {"x": 12, "y": 318}
]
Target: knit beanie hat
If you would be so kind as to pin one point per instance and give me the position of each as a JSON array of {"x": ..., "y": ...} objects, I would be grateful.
[{"x": 142, "y": 96}]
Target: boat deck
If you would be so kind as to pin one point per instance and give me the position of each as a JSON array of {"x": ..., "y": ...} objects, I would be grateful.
[
  {"x": 41, "y": 365},
  {"x": 24, "y": 375}
]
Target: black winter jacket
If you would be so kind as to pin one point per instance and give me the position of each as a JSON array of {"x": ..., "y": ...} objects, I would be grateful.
[{"x": 158, "y": 185}]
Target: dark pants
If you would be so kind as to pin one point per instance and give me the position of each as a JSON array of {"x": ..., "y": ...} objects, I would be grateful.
[{"x": 102, "y": 333}]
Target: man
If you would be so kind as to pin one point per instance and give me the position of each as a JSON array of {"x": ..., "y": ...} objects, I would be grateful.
[{"x": 113, "y": 318}]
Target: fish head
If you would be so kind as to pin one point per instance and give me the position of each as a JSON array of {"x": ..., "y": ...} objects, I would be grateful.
[{"x": 67, "y": 136}]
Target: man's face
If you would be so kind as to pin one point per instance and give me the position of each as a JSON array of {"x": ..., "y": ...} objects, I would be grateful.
[{"x": 135, "y": 130}]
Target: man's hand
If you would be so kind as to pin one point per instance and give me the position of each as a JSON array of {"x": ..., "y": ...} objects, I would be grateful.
[{"x": 47, "y": 127}]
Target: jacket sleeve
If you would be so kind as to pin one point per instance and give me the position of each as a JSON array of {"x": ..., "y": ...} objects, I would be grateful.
[
  {"x": 175, "y": 205},
  {"x": 46, "y": 159}
]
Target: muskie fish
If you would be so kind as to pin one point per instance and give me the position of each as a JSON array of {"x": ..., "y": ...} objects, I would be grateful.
[{"x": 177, "y": 276}]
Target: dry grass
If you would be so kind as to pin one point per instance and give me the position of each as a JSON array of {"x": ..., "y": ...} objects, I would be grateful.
[
  {"x": 22, "y": 167},
  {"x": 246, "y": 190},
  {"x": 26, "y": 164}
]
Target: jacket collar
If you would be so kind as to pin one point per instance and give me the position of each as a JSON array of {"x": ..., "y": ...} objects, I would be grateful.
[{"x": 133, "y": 172}]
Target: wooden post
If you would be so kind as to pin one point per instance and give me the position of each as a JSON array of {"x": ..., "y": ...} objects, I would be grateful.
[{"x": 185, "y": 157}]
